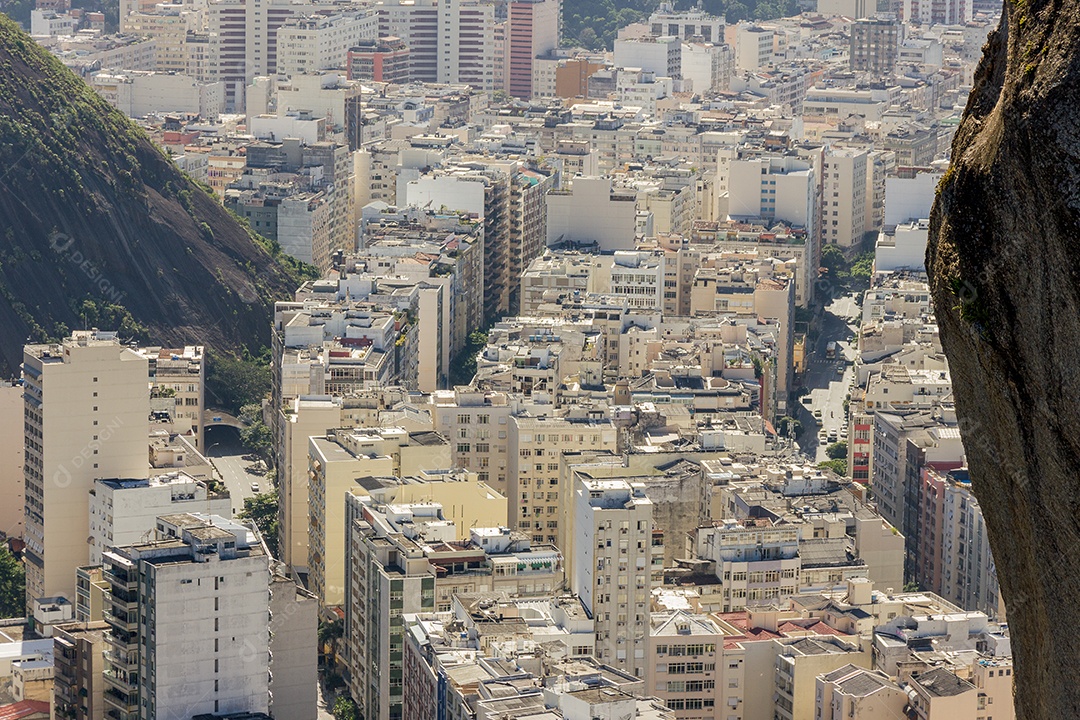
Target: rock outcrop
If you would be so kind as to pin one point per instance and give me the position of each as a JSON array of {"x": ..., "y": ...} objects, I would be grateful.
[
  {"x": 98, "y": 227},
  {"x": 1003, "y": 261}
]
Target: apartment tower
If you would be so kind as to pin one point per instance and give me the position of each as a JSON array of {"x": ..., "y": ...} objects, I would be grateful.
[
  {"x": 534, "y": 30},
  {"x": 87, "y": 409}
]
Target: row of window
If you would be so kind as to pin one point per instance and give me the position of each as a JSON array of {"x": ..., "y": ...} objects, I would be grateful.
[{"x": 692, "y": 650}]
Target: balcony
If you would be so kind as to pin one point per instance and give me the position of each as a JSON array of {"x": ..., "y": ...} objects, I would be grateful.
[
  {"x": 122, "y": 660},
  {"x": 122, "y": 621},
  {"x": 121, "y": 702}
]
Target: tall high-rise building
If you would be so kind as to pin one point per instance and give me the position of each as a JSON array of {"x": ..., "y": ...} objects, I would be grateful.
[
  {"x": 534, "y": 30},
  {"x": 188, "y": 622},
  {"x": 843, "y": 212},
  {"x": 875, "y": 43},
  {"x": 243, "y": 40},
  {"x": 612, "y": 544},
  {"x": 87, "y": 410},
  {"x": 466, "y": 53},
  {"x": 416, "y": 22}
]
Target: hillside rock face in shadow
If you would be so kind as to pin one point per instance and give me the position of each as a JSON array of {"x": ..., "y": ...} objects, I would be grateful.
[
  {"x": 1004, "y": 263},
  {"x": 98, "y": 227}
]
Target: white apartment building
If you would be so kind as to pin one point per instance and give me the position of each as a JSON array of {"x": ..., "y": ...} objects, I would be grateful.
[
  {"x": 661, "y": 56},
  {"x": 902, "y": 240},
  {"x": 950, "y": 12},
  {"x": 686, "y": 23},
  {"x": 707, "y": 66},
  {"x": 636, "y": 277},
  {"x": 294, "y": 654},
  {"x": 466, "y": 53},
  {"x": 831, "y": 105},
  {"x": 686, "y": 663},
  {"x": 87, "y": 409},
  {"x": 307, "y": 44},
  {"x": 188, "y": 622},
  {"x": 774, "y": 188},
  {"x": 635, "y": 87},
  {"x": 843, "y": 212},
  {"x": 755, "y": 564},
  {"x": 753, "y": 47},
  {"x": 139, "y": 93},
  {"x": 611, "y": 573},
  {"x": 303, "y": 228},
  {"x": 47, "y": 23},
  {"x": 591, "y": 212},
  {"x": 124, "y": 512}
]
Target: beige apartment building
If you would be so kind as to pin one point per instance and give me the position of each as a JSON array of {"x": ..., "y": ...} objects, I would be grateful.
[
  {"x": 337, "y": 461},
  {"x": 477, "y": 424},
  {"x": 535, "y": 447},
  {"x": 178, "y": 378},
  {"x": 87, "y": 409}
]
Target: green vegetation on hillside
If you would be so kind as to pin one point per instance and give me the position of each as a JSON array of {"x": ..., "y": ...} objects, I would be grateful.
[{"x": 92, "y": 210}]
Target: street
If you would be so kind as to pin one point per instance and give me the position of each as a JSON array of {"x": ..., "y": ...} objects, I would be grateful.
[
  {"x": 226, "y": 455},
  {"x": 828, "y": 387}
]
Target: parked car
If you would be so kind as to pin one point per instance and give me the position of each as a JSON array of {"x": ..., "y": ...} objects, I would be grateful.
[{"x": 254, "y": 487}]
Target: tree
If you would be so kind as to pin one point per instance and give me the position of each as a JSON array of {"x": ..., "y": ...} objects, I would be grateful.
[
  {"x": 463, "y": 367},
  {"x": 258, "y": 439},
  {"x": 788, "y": 426},
  {"x": 250, "y": 414},
  {"x": 345, "y": 709},
  {"x": 588, "y": 39},
  {"x": 235, "y": 382},
  {"x": 18, "y": 10},
  {"x": 262, "y": 509},
  {"x": 837, "y": 451},
  {"x": 329, "y": 634},
  {"x": 12, "y": 585},
  {"x": 837, "y": 466}
]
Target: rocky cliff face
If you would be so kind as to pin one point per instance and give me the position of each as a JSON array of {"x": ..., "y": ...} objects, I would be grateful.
[
  {"x": 1003, "y": 260},
  {"x": 98, "y": 227}
]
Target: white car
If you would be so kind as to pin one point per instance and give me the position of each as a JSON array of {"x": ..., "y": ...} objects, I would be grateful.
[{"x": 254, "y": 487}]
